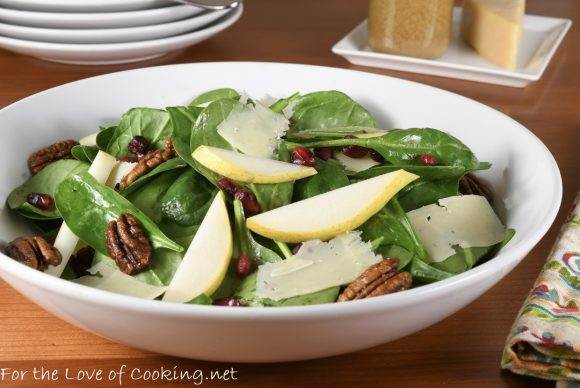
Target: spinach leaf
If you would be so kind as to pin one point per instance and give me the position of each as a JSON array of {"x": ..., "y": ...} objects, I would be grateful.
[
  {"x": 282, "y": 103},
  {"x": 247, "y": 293},
  {"x": 182, "y": 121},
  {"x": 104, "y": 137},
  {"x": 45, "y": 181},
  {"x": 169, "y": 165},
  {"x": 87, "y": 207},
  {"x": 327, "y": 109},
  {"x": 404, "y": 146},
  {"x": 187, "y": 199},
  {"x": 271, "y": 196},
  {"x": 201, "y": 299},
  {"x": 330, "y": 133},
  {"x": 424, "y": 192},
  {"x": 422, "y": 272},
  {"x": 331, "y": 176},
  {"x": 84, "y": 153},
  {"x": 465, "y": 258},
  {"x": 247, "y": 245},
  {"x": 147, "y": 198},
  {"x": 213, "y": 95},
  {"x": 153, "y": 124},
  {"x": 192, "y": 128},
  {"x": 425, "y": 172}
]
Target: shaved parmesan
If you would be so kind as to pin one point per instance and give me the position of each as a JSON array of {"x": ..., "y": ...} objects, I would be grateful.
[
  {"x": 317, "y": 266},
  {"x": 254, "y": 130},
  {"x": 108, "y": 278},
  {"x": 66, "y": 241},
  {"x": 90, "y": 140},
  {"x": 119, "y": 171},
  {"x": 466, "y": 221},
  {"x": 354, "y": 164}
]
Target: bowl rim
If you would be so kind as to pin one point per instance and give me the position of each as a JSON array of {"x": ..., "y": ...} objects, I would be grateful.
[{"x": 506, "y": 257}]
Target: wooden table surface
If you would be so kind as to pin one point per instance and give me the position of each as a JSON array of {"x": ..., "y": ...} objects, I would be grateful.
[{"x": 463, "y": 350}]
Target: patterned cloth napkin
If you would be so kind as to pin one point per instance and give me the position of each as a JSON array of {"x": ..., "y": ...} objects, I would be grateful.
[{"x": 545, "y": 339}]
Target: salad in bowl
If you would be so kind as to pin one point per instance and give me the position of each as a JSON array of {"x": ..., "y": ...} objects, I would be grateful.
[{"x": 235, "y": 201}]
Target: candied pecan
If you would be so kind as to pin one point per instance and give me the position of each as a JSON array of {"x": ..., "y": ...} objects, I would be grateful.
[
  {"x": 81, "y": 261},
  {"x": 127, "y": 244},
  {"x": 379, "y": 279},
  {"x": 470, "y": 184},
  {"x": 42, "y": 158},
  {"x": 34, "y": 252},
  {"x": 147, "y": 163}
]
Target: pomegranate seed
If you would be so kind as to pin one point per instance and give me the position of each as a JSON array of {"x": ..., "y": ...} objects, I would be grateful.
[
  {"x": 138, "y": 145},
  {"x": 428, "y": 160},
  {"x": 297, "y": 248},
  {"x": 228, "y": 186},
  {"x": 227, "y": 302},
  {"x": 324, "y": 153},
  {"x": 243, "y": 266},
  {"x": 249, "y": 201},
  {"x": 376, "y": 156},
  {"x": 40, "y": 200},
  {"x": 303, "y": 156},
  {"x": 354, "y": 151}
]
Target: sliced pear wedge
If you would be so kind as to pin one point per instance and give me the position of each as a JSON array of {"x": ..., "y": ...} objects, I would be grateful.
[
  {"x": 330, "y": 214},
  {"x": 206, "y": 261},
  {"x": 249, "y": 169}
]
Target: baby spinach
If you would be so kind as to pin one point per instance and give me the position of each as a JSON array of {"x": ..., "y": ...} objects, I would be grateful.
[
  {"x": 213, "y": 95},
  {"x": 425, "y": 192},
  {"x": 153, "y": 124},
  {"x": 330, "y": 176},
  {"x": 465, "y": 258},
  {"x": 247, "y": 293},
  {"x": 201, "y": 299},
  {"x": 187, "y": 199},
  {"x": 84, "y": 153},
  {"x": 246, "y": 244},
  {"x": 104, "y": 137},
  {"x": 425, "y": 172},
  {"x": 404, "y": 146},
  {"x": 171, "y": 164},
  {"x": 147, "y": 197},
  {"x": 327, "y": 109},
  {"x": 282, "y": 103},
  {"x": 45, "y": 181},
  {"x": 87, "y": 207},
  {"x": 192, "y": 128}
]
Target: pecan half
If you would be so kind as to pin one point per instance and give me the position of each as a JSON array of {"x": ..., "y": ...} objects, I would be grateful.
[
  {"x": 470, "y": 184},
  {"x": 379, "y": 279},
  {"x": 42, "y": 158},
  {"x": 147, "y": 163},
  {"x": 128, "y": 245},
  {"x": 34, "y": 252}
]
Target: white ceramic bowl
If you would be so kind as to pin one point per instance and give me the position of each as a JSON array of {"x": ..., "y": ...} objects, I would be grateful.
[
  {"x": 98, "y": 20},
  {"x": 83, "y": 5},
  {"x": 114, "y": 53},
  {"x": 110, "y": 35},
  {"x": 524, "y": 174}
]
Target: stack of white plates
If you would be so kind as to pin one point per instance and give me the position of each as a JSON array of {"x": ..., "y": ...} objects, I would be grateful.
[{"x": 92, "y": 32}]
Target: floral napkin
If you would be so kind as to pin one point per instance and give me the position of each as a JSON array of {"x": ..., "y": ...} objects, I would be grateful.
[{"x": 545, "y": 339}]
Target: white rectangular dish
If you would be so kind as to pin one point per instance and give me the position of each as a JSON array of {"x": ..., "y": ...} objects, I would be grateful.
[{"x": 540, "y": 38}]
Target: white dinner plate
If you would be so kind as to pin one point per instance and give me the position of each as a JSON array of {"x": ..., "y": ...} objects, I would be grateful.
[
  {"x": 114, "y": 53},
  {"x": 98, "y": 20},
  {"x": 112, "y": 35},
  {"x": 272, "y": 334},
  {"x": 83, "y": 5},
  {"x": 541, "y": 37}
]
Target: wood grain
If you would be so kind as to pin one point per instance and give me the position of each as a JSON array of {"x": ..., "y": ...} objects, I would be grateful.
[{"x": 463, "y": 350}]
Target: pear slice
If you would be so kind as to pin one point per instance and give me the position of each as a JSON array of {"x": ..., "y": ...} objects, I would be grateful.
[
  {"x": 330, "y": 214},
  {"x": 249, "y": 169},
  {"x": 206, "y": 261}
]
